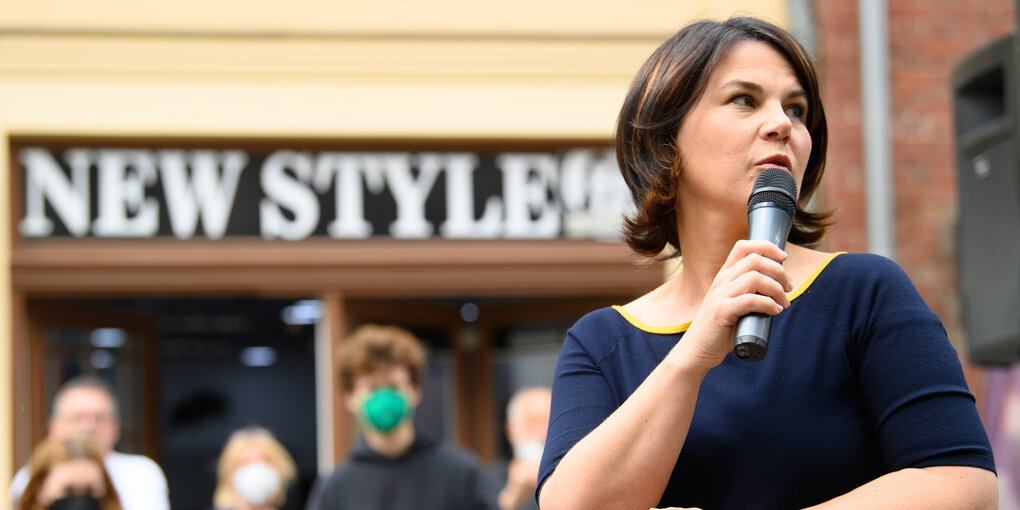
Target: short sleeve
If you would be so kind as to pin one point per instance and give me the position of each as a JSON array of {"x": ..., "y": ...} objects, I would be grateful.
[
  {"x": 912, "y": 381},
  {"x": 581, "y": 396}
]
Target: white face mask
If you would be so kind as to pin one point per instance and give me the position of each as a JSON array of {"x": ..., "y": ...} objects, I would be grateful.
[
  {"x": 530, "y": 451},
  {"x": 257, "y": 483}
]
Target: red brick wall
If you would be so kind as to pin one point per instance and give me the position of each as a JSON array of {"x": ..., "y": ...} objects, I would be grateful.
[{"x": 927, "y": 38}]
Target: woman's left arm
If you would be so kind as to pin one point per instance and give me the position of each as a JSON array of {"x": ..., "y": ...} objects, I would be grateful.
[
  {"x": 913, "y": 387},
  {"x": 930, "y": 488}
]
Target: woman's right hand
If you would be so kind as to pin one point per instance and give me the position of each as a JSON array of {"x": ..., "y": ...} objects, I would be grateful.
[{"x": 751, "y": 280}]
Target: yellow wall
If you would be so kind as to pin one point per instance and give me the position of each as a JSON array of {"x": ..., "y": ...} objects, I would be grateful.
[
  {"x": 390, "y": 18},
  {"x": 447, "y": 69}
]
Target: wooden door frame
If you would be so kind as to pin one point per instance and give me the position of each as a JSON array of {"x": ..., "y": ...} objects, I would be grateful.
[{"x": 33, "y": 316}]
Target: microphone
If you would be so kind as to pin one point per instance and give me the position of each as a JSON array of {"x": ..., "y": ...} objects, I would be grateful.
[{"x": 770, "y": 210}]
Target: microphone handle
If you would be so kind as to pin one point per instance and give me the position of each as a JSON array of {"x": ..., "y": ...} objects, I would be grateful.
[{"x": 766, "y": 222}]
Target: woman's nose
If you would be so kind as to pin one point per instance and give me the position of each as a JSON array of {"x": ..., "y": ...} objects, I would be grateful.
[{"x": 776, "y": 124}]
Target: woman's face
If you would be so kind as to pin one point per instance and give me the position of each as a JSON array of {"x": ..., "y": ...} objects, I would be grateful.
[
  {"x": 75, "y": 476},
  {"x": 750, "y": 117}
]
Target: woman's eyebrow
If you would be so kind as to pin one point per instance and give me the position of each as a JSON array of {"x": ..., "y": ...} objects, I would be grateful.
[
  {"x": 796, "y": 94},
  {"x": 758, "y": 89},
  {"x": 749, "y": 85}
]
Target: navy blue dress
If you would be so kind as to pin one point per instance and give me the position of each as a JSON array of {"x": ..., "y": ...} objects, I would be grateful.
[{"x": 860, "y": 380}]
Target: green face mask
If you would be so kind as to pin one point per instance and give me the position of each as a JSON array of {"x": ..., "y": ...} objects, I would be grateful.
[{"x": 384, "y": 409}]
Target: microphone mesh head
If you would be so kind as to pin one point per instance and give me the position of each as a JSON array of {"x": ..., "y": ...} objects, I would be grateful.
[{"x": 777, "y": 186}]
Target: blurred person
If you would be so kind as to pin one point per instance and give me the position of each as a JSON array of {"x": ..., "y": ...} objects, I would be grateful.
[
  {"x": 68, "y": 474},
  {"x": 527, "y": 418},
  {"x": 1008, "y": 458},
  {"x": 1001, "y": 414},
  {"x": 86, "y": 407},
  {"x": 861, "y": 401},
  {"x": 395, "y": 464},
  {"x": 254, "y": 471}
]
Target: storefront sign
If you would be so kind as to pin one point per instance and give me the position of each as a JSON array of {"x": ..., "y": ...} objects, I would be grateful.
[{"x": 293, "y": 195}]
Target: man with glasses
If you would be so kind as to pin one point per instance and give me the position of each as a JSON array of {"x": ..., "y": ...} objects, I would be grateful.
[{"x": 86, "y": 407}]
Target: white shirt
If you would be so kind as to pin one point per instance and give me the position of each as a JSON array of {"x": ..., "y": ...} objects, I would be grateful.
[{"x": 139, "y": 481}]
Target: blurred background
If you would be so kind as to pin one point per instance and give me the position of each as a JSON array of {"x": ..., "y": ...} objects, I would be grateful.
[{"x": 198, "y": 199}]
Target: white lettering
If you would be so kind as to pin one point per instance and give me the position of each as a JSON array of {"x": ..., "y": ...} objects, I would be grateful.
[
  {"x": 46, "y": 181},
  {"x": 528, "y": 180},
  {"x": 460, "y": 200},
  {"x": 350, "y": 222},
  {"x": 124, "y": 210},
  {"x": 410, "y": 194},
  {"x": 283, "y": 190},
  {"x": 206, "y": 193},
  {"x": 543, "y": 195}
]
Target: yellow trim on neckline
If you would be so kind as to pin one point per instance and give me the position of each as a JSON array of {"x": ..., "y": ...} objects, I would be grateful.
[
  {"x": 662, "y": 330},
  {"x": 811, "y": 279},
  {"x": 680, "y": 328}
]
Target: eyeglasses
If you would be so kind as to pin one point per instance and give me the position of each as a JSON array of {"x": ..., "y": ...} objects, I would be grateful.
[{"x": 86, "y": 417}]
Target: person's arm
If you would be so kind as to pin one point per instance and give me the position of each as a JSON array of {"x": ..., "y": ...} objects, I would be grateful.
[
  {"x": 521, "y": 477},
  {"x": 913, "y": 386},
  {"x": 932, "y": 488},
  {"x": 627, "y": 460}
]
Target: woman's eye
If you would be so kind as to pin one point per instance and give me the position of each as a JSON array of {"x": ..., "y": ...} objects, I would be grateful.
[
  {"x": 796, "y": 111},
  {"x": 743, "y": 100}
]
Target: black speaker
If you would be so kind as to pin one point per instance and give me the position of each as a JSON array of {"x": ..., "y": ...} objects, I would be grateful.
[{"x": 985, "y": 93}]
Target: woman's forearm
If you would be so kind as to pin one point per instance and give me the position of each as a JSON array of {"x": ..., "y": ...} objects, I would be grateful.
[
  {"x": 933, "y": 488},
  {"x": 627, "y": 460}
]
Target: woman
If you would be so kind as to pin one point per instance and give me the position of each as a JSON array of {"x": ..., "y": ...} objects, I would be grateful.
[
  {"x": 68, "y": 474},
  {"x": 861, "y": 401},
  {"x": 253, "y": 472}
]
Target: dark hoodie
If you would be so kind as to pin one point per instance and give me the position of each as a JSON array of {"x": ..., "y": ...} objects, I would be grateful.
[{"x": 428, "y": 476}]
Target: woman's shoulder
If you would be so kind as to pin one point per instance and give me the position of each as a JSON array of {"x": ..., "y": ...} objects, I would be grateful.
[
  {"x": 856, "y": 273},
  {"x": 599, "y": 319},
  {"x": 602, "y": 331},
  {"x": 865, "y": 265},
  {"x": 864, "y": 260},
  {"x": 597, "y": 331}
]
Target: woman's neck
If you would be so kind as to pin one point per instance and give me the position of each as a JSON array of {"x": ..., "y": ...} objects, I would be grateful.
[{"x": 705, "y": 244}]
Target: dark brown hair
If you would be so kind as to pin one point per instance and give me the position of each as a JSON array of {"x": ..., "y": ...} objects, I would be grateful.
[
  {"x": 371, "y": 347},
  {"x": 664, "y": 91}
]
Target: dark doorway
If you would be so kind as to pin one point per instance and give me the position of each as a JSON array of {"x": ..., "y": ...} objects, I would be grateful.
[
  {"x": 226, "y": 364},
  {"x": 221, "y": 364}
]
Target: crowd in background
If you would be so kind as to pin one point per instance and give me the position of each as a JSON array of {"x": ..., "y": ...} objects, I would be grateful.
[{"x": 396, "y": 463}]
